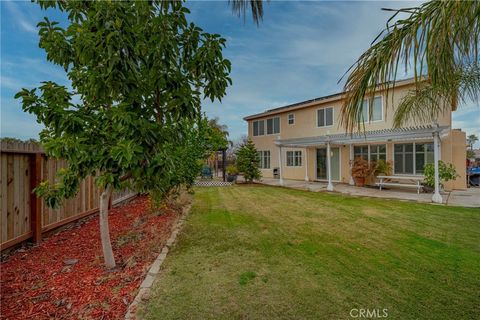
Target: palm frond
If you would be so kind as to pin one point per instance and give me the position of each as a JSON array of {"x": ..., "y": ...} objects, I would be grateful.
[
  {"x": 435, "y": 41},
  {"x": 427, "y": 102},
  {"x": 239, "y": 7}
]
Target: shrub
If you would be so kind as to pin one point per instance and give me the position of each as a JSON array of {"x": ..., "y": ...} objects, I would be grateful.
[
  {"x": 232, "y": 170},
  {"x": 247, "y": 161},
  {"x": 445, "y": 173},
  {"x": 360, "y": 168},
  {"x": 382, "y": 167}
]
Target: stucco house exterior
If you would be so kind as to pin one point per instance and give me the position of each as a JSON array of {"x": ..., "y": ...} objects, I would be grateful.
[{"x": 293, "y": 141}]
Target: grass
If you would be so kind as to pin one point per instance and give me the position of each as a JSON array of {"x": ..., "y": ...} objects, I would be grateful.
[{"x": 257, "y": 252}]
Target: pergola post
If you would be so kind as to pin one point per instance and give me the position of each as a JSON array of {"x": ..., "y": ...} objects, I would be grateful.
[
  {"x": 329, "y": 168},
  {"x": 351, "y": 182},
  {"x": 306, "y": 164},
  {"x": 437, "y": 198},
  {"x": 280, "y": 165}
]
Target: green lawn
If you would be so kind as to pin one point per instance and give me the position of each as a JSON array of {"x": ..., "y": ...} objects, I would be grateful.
[{"x": 257, "y": 252}]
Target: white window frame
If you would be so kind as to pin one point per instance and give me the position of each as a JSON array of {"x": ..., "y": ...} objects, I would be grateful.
[
  {"x": 369, "y": 150},
  {"x": 263, "y": 156},
  {"x": 413, "y": 158},
  {"x": 368, "y": 110},
  {"x": 292, "y": 118},
  {"x": 377, "y": 144},
  {"x": 324, "y": 115},
  {"x": 297, "y": 156},
  {"x": 273, "y": 126},
  {"x": 253, "y": 128}
]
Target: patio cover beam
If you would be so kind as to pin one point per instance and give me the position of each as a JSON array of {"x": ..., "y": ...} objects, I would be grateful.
[{"x": 387, "y": 135}]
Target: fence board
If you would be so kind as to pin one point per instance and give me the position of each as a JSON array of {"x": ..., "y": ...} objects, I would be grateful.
[
  {"x": 3, "y": 197},
  {"x": 10, "y": 199},
  {"x": 17, "y": 163}
]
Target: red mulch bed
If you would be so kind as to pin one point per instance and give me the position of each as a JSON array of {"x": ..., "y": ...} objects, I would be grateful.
[{"x": 37, "y": 284}]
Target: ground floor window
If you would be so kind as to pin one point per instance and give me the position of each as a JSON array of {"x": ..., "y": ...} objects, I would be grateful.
[
  {"x": 371, "y": 153},
  {"x": 294, "y": 158},
  {"x": 264, "y": 159},
  {"x": 378, "y": 152},
  {"x": 361, "y": 151},
  {"x": 411, "y": 158}
]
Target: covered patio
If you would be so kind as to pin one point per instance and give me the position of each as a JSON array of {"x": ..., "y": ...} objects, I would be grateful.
[{"x": 328, "y": 143}]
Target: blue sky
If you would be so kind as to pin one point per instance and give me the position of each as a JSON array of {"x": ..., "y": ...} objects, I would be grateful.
[{"x": 299, "y": 52}]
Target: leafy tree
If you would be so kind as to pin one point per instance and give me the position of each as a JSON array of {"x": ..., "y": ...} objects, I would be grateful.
[
  {"x": 137, "y": 71},
  {"x": 470, "y": 154},
  {"x": 247, "y": 161},
  {"x": 440, "y": 40},
  {"x": 218, "y": 135},
  {"x": 13, "y": 140},
  {"x": 217, "y": 140}
]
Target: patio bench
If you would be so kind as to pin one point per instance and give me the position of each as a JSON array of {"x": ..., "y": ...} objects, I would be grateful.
[{"x": 400, "y": 181}]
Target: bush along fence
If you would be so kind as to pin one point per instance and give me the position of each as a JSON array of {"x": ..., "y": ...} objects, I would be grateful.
[{"x": 24, "y": 216}]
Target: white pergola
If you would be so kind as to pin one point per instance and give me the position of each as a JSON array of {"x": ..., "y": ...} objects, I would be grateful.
[{"x": 434, "y": 132}]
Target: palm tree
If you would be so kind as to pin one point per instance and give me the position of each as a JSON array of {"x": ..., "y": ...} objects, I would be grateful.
[
  {"x": 471, "y": 139},
  {"x": 438, "y": 41}
]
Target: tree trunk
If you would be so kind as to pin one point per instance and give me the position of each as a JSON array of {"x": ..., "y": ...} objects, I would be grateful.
[{"x": 104, "y": 229}]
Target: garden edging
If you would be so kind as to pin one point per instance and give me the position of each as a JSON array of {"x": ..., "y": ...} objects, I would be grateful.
[{"x": 146, "y": 286}]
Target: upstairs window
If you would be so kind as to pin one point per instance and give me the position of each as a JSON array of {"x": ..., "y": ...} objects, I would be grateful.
[
  {"x": 291, "y": 118},
  {"x": 258, "y": 128},
  {"x": 273, "y": 125},
  {"x": 294, "y": 158},
  {"x": 325, "y": 117},
  {"x": 377, "y": 110}
]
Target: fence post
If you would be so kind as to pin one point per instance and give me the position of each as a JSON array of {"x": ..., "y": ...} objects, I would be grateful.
[{"x": 35, "y": 202}]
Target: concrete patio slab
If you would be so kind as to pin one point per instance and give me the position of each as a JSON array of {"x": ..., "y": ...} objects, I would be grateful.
[{"x": 467, "y": 198}]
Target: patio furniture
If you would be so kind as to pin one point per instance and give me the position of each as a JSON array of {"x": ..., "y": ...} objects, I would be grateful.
[
  {"x": 207, "y": 173},
  {"x": 400, "y": 181}
]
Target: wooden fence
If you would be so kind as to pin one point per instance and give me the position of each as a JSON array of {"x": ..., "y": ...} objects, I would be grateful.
[{"x": 23, "y": 216}]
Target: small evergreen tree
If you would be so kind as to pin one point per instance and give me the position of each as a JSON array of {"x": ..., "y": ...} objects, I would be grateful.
[{"x": 247, "y": 161}]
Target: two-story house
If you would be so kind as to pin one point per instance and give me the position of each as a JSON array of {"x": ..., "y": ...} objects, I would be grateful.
[{"x": 294, "y": 141}]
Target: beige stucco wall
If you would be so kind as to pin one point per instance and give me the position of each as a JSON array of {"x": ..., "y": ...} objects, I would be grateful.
[
  {"x": 306, "y": 118},
  {"x": 454, "y": 151},
  {"x": 453, "y": 145}
]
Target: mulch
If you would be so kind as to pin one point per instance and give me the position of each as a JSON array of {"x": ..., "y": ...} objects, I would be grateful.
[{"x": 64, "y": 277}]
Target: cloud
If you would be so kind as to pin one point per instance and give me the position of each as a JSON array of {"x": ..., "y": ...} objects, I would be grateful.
[
  {"x": 299, "y": 52},
  {"x": 19, "y": 18},
  {"x": 11, "y": 83}
]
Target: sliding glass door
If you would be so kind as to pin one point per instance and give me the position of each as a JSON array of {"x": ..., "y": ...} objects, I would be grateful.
[{"x": 322, "y": 164}]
